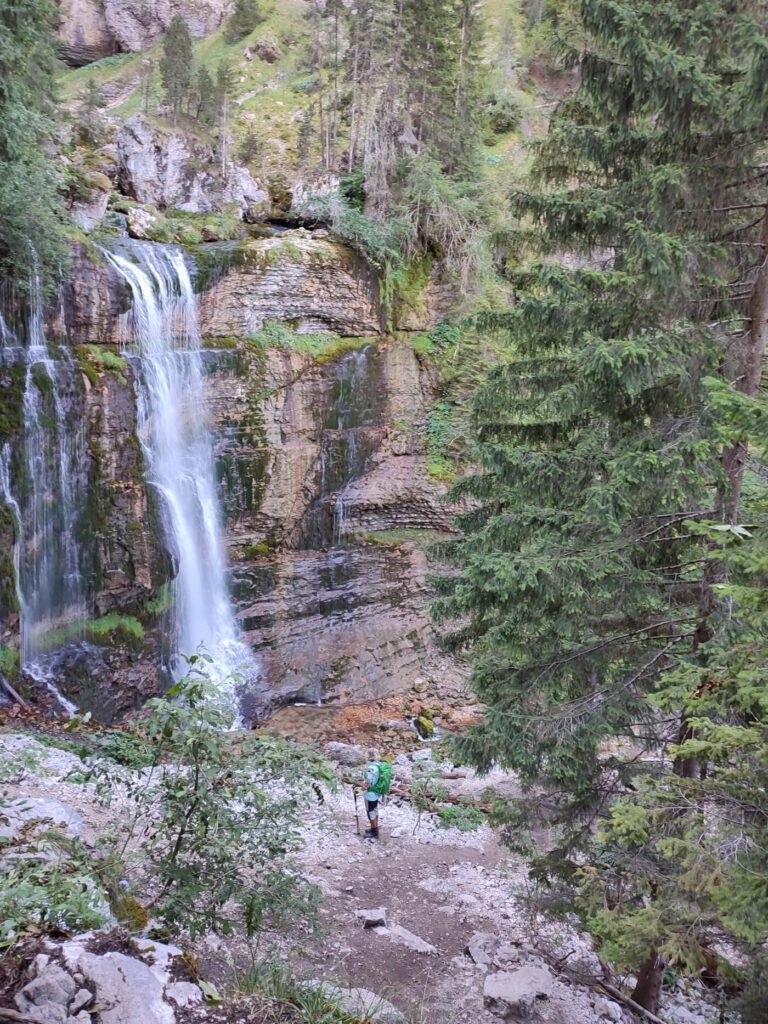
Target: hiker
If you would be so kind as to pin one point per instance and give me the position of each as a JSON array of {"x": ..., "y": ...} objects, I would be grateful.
[{"x": 378, "y": 777}]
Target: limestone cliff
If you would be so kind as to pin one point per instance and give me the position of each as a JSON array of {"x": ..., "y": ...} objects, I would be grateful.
[{"x": 317, "y": 451}]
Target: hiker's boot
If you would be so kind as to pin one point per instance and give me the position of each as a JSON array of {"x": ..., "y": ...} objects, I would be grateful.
[{"x": 372, "y": 833}]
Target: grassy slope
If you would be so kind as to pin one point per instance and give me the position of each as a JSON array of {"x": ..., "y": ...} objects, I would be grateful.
[{"x": 269, "y": 98}]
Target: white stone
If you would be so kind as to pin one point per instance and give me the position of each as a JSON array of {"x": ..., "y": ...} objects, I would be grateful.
[
  {"x": 128, "y": 989},
  {"x": 183, "y": 993},
  {"x": 81, "y": 1000},
  {"x": 345, "y": 753},
  {"x": 53, "y": 812},
  {"x": 372, "y": 918},
  {"x": 360, "y": 1002},
  {"x": 402, "y": 937},
  {"x": 514, "y": 993},
  {"x": 478, "y": 948},
  {"x": 423, "y": 754},
  {"x": 608, "y": 1009}
]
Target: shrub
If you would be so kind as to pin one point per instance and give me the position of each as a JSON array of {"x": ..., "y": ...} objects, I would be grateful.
[
  {"x": 223, "y": 812},
  {"x": 51, "y": 888}
]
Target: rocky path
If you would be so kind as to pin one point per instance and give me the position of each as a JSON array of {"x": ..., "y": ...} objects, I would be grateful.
[{"x": 430, "y": 919}]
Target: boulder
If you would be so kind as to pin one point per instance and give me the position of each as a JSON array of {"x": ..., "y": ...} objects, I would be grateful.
[
  {"x": 16, "y": 813},
  {"x": 90, "y": 212},
  {"x": 513, "y": 994},
  {"x": 127, "y": 989},
  {"x": 608, "y": 1009},
  {"x": 166, "y": 168},
  {"x": 480, "y": 948},
  {"x": 139, "y": 222},
  {"x": 372, "y": 918},
  {"x": 266, "y": 49},
  {"x": 402, "y": 937},
  {"x": 47, "y": 996},
  {"x": 152, "y": 163},
  {"x": 345, "y": 753}
]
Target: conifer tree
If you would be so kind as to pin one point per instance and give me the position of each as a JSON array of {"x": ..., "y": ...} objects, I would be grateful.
[
  {"x": 31, "y": 211},
  {"x": 176, "y": 64},
  {"x": 585, "y": 575},
  {"x": 206, "y": 96},
  {"x": 245, "y": 17}
]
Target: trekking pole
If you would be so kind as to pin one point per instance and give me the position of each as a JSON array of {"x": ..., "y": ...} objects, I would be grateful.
[{"x": 357, "y": 815}]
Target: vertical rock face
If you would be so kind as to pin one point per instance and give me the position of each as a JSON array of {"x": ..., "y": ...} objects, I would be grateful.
[
  {"x": 298, "y": 276},
  {"x": 83, "y": 32},
  {"x": 136, "y": 24},
  {"x": 326, "y": 453},
  {"x": 313, "y": 453}
]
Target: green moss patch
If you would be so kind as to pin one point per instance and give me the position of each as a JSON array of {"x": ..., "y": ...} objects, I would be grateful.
[{"x": 95, "y": 360}]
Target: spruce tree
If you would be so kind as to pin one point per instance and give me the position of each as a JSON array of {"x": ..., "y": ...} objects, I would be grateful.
[
  {"x": 584, "y": 570},
  {"x": 206, "y": 96},
  {"x": 32, "y": 215},
  {"x": 176, "y": 64},
  {"x": 245, "y": 17}
]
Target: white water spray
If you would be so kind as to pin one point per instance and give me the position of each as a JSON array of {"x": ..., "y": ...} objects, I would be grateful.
[{"x": 174, "y": 435}]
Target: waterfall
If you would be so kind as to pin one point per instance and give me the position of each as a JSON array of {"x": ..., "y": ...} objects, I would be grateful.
[
  {"x": 162, "y": 331},
  {"x": 49, "y": 484},
  {"x": 349, "y": 438}
]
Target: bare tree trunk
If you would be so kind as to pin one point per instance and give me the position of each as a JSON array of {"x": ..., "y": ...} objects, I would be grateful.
[{"x": 649, "y": 981}]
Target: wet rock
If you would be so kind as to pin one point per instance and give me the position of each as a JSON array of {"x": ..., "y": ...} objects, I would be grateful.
[
  {"x": 345, "y": 753},
  {"x": 374, "y": 918},
  {"x": 609, "y": 1010},
  {"x": 513, "y": 995}
]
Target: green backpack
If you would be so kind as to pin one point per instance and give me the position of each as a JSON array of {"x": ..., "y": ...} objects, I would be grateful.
[{"x": 384, "y": 781}]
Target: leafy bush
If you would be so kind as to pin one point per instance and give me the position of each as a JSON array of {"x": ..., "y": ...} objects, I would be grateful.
[
  {"x": 464, "y": 817},
  {"x": 215, "y": 814},
  {"x": 52, "y": 888}
]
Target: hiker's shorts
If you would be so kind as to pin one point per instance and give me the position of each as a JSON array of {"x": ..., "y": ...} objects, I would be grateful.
[{"x": 371, "y": 807}]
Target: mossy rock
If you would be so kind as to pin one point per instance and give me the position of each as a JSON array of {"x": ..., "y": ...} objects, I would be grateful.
[{"x": 425, "y": 727}]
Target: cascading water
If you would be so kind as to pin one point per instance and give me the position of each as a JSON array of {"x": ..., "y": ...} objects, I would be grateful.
[
  {"x": 162, "y": 329},
  {"x": 45, "y": 492},
  {"x": 350, "y": 436}
]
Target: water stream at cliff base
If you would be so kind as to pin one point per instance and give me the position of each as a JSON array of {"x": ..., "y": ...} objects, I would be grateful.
[{"x": 162, "y": 330}]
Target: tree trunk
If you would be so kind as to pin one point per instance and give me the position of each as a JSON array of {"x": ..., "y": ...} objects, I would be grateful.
[{"x": 649, "y": 980}]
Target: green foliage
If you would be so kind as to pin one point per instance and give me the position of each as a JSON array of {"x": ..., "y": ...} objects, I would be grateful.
[
  {"x": 246, "y": 16},
  {"x": 112, "y": 629},
  {"x": 176, "y": 64},
  {"x": 464, "y": 817},
  {"x": 49, "y": 889},
  {"x": 219, "y": 851},
  {"x": 586, "y": 576},
  {"x": 9, "y": 660},
  {"x": 32, "y": 216},
  {"x": 317, "y": 1003},
  {"x": 322, "y": 347}
]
